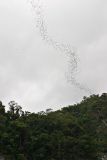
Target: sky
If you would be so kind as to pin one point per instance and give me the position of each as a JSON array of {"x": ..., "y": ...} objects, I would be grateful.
[{"x": 32, "y": 72}]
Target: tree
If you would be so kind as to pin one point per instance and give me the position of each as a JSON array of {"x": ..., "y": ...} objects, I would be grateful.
[{"x": 2, "y": 108}]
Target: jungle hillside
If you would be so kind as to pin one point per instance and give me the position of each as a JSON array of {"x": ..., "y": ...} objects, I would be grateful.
[{"x": 75, "y": 132}]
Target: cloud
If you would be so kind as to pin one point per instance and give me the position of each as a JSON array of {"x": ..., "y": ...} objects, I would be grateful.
[{"x": 32, "y": 72}]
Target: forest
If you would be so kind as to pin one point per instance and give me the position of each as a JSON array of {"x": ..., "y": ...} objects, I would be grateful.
[{"x": 75, "y": 132}]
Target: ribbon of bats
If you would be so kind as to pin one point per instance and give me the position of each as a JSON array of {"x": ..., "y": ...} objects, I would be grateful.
[{"x": 66, "y": 49}]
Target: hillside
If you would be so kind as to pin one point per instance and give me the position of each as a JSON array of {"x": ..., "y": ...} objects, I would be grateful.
[{"x": 76, "y": 132}]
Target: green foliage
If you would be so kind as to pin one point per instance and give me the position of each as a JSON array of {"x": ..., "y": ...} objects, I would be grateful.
[{"x": 76, "y": 132}]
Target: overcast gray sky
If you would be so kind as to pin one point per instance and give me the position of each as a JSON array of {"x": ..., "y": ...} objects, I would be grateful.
[{"x": 33, "y": 73}]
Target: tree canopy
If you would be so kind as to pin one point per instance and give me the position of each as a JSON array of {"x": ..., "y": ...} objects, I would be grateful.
[{"x": 76, "y": 132}]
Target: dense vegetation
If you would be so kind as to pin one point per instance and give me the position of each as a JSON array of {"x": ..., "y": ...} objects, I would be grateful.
[{"x": 76, "y": 132}]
